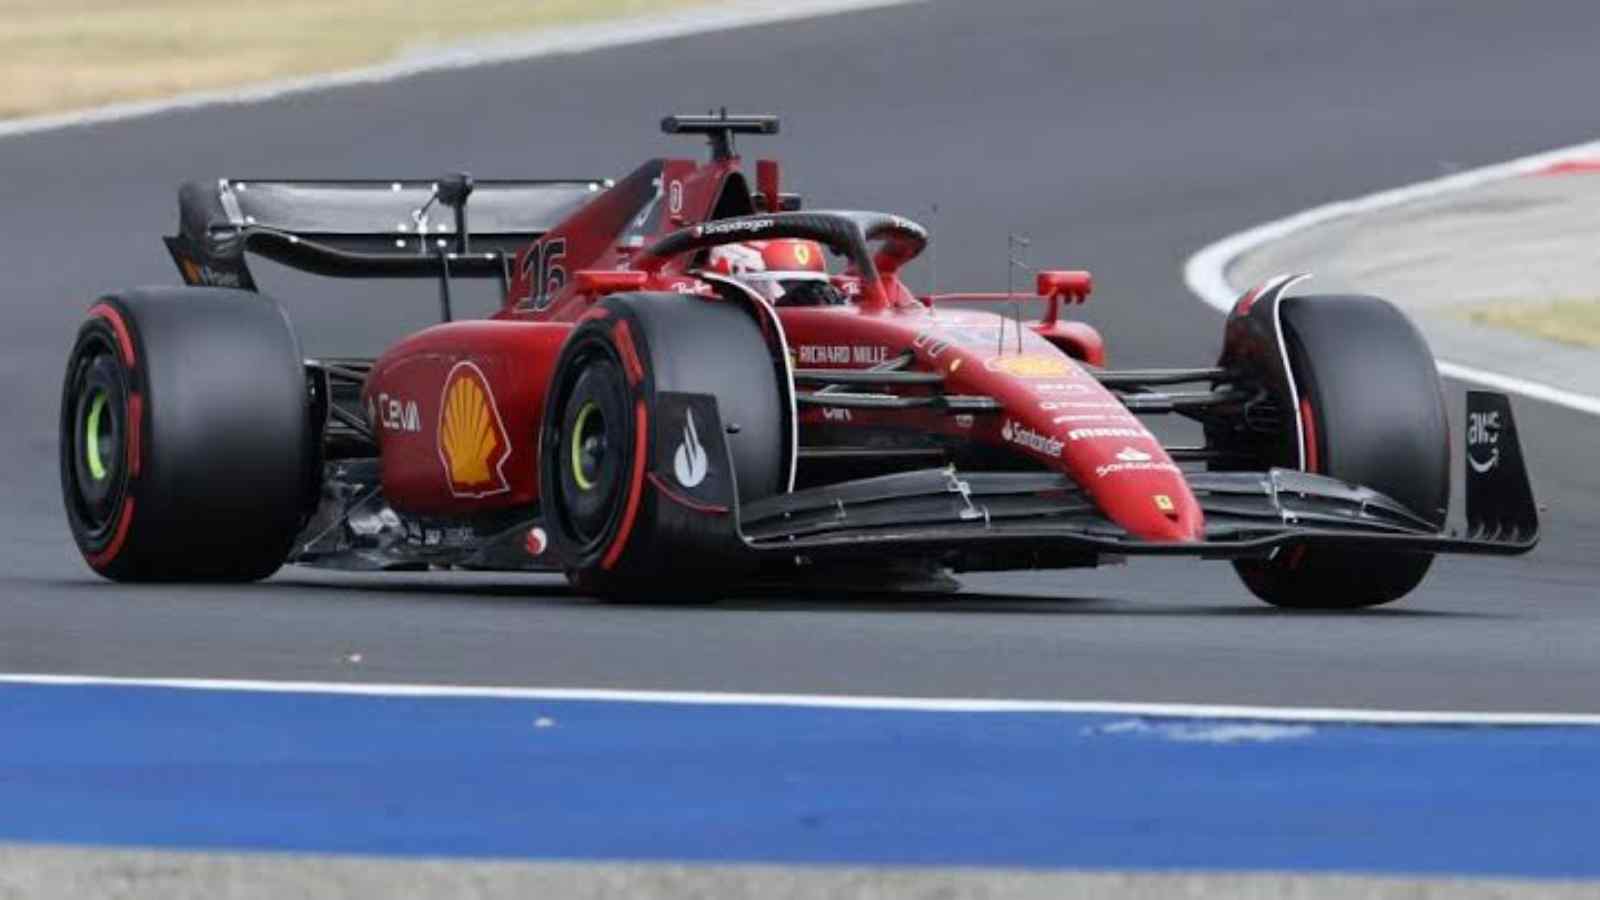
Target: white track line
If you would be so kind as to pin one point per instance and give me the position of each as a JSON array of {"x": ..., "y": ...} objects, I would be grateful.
[
  {"x": 831, "y": 701},
  {"x": 1206, "y": 272},
  {"x": 523, "y": 45}
]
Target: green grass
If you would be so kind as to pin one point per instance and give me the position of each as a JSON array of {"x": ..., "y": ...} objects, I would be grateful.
[
  {"x": 71, "y": 54},
  {"x": 1568, "y": 321}
]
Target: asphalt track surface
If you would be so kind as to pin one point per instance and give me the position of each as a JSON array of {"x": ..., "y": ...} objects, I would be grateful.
[{"x": 1120, "y": 137}]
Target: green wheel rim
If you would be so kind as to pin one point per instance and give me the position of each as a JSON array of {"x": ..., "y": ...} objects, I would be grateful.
[
  {"x": 578, "y": 474},
  {"x": 92, "y": 436}
]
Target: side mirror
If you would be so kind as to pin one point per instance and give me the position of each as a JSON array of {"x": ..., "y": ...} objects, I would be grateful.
[
  {"x": 1054, "y": 284},
  {"x": 1072, "y": 284}
]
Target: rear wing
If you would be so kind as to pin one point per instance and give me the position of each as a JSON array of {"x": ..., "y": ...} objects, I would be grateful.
[{"x": 353, "y": 229}]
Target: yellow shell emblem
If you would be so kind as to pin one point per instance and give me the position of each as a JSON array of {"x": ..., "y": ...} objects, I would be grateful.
[
  {"x": 1030, "y": 366},
  {"x": 472, "y": 440}
]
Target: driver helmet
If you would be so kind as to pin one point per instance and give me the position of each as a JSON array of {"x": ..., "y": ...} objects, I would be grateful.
[{"x": 772, "y": 268}]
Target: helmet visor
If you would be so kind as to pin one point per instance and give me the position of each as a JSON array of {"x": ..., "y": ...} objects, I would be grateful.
[{"x": 773, "y": 285}]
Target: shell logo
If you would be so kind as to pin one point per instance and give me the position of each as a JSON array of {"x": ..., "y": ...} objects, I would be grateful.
[
  {"x": 473, "y": 445},
  {"x": 1030, "y": 365}
]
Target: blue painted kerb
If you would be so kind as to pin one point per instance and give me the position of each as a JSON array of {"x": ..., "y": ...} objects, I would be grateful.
[{"x": 472, "y": 777}]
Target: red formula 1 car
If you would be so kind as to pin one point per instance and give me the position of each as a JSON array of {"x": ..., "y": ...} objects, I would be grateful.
[{"x": 679, "y": 393}]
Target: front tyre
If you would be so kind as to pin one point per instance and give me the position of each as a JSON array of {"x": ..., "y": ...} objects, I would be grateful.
[
  {"x": 185, "y": 449},
  {"x": 621, "y": 511},
  {"x": 598, "y": 447},
  {"x": 1372, "y": 413}
]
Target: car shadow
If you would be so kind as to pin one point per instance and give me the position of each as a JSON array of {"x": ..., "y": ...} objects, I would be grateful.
[
  {"x": 549, "y": 591},
  {"x": 509, "y": 589}
]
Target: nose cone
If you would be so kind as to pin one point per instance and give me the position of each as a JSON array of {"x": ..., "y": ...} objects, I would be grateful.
[
  {"x": 1120, "y": 464},
  {"x": 1059, "y": 414},
  {"x": 1139, "y": 487},
  {"x": 1117, "y": 462},
  {"x": 1165, "y": 513}
]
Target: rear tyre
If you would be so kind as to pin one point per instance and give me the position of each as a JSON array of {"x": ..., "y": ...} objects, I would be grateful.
[
  {"x": 1374, "y": 415},
  {"x": 604, "y": 516},
  {"x": 185, "y": 440}
]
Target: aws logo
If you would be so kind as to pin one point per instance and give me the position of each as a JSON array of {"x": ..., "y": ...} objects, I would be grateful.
[{"x": 473, "y": 445}]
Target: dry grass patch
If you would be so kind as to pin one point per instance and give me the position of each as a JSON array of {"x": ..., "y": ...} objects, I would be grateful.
[
  {"x": 1571, "y": 321},
  {"x": 70, "y": 54}
]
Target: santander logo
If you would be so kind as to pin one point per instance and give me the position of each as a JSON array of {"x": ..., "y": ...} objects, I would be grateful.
[
  {"x": 1023, "y": 436},
  {"x": 1132, "y": 459}
]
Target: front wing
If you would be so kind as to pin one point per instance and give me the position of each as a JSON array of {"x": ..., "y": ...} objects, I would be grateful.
[{"x": 1040, "y": 519}]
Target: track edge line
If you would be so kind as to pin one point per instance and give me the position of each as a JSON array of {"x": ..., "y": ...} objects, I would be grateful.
[
  {"x": 1332, "y": 716},
  {"x": 1205, "y": 271}
]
